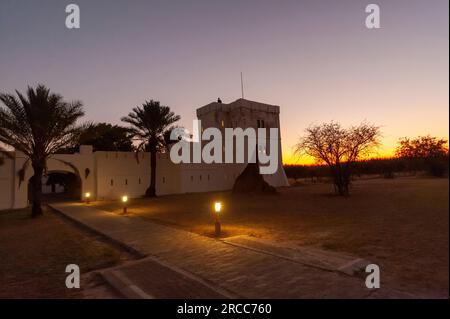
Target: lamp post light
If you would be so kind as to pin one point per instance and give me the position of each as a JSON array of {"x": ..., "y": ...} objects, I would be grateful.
[
  {"x": 217, "y": 209},
  {"x": 124, "y": 201},
  {"x": 87, "y": 196}
]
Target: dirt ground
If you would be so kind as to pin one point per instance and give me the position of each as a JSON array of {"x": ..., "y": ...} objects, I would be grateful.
[
  {"x": 401, "y": 224},
  {"x": 35, "y": 252}
]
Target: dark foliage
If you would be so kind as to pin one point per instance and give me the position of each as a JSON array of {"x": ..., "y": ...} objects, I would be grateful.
[
  {"x": 102, "y": 137},
  {"x": 150, "y": 124},
  {"x": 38, "y": 124}
]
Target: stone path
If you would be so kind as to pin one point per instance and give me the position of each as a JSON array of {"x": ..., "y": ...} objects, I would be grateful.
[{"x": 180, "y": 264}]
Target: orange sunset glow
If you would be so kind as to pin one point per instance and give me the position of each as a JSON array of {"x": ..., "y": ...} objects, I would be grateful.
[{"x": 317, "y": 61}]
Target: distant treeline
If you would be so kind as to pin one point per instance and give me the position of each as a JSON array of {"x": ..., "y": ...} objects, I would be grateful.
[{"x": 383, "y": 167}]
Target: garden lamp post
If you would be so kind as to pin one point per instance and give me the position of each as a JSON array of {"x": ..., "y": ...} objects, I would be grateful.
[
  {"x": 124, "y": 201},
  {"x": 217, "y": 209},
  {"x": 87, "y": 196}
]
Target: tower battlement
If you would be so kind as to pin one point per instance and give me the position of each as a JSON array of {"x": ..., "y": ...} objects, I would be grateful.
[{"x": 240, "y": 113}]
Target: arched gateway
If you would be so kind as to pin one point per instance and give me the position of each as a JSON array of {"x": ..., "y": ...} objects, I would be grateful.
[{"x": 15, "y": 189}]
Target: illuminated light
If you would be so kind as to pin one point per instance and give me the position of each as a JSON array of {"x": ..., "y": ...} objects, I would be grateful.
[
  {"x": 124, "y": 201},
  {"x": 217, "y": 226},
  {"x": 87, "y": 195}
]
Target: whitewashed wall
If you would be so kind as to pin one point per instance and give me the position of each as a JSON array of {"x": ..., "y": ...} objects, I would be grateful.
[
  {"x": 110, "y": 175},
  {"x": 6, "y": 182}
]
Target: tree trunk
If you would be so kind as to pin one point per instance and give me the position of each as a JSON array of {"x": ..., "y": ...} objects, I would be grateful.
[
  {"x": 151, "y": 191},
  {"x": 341, "y": 180},
  {"x": 37, "y": 189}
]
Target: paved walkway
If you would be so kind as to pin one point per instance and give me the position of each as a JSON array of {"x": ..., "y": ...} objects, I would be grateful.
[{"x": 180, "y": 264}]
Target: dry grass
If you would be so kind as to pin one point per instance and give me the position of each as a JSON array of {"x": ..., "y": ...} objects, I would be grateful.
[
  {"x": 401, "y": 224},
  {"x": 34, "y": 254}
]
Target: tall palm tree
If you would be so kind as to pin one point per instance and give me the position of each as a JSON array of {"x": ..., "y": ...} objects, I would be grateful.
[
  {"x": 38, "y": 124},
  {"x": 149, "y": 125}
]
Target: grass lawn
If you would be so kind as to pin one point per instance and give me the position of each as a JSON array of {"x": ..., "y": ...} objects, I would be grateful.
[
  {"x": 35, "y": 252},
  {"x": 401, "y": 224}
]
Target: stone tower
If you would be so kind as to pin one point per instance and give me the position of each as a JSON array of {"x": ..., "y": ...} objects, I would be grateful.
[{"x": 245, "y": 113}]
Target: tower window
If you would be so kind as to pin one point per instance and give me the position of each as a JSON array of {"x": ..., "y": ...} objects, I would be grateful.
[{"x": 260, "y": 123}]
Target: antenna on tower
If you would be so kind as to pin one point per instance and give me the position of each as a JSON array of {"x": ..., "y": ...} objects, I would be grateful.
[{"x": 242, "y": 86}]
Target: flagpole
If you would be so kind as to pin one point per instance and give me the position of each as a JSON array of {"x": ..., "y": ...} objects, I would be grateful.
[{"x": 242, "y": 86}]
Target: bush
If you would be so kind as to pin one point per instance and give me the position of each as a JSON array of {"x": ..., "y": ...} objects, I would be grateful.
[{"x": 437, "y": 167}]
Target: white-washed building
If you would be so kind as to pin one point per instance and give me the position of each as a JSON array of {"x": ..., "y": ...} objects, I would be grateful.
[{"x": 109, "y": 175}]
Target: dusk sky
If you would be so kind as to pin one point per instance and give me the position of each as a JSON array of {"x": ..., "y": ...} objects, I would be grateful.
[{"x": 315, "y": 59}]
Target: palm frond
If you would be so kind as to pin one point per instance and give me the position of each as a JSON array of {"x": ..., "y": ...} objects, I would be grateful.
[
  {"x": 150, "y": 122},
  {"x": 69, "y": 164},
  {"x": 39, "y": 122}
]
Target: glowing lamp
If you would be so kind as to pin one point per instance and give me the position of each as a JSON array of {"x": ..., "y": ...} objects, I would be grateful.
[
  {"x": 124, "y": 201},
  {"x": 217, "y": 226},
  {"x": 217, "y": 207},
  {"x": 87, "y": 196}
]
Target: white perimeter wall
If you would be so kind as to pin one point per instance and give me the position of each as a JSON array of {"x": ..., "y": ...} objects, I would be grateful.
[
  {"x": 120, "y": 173},
  {"x": 6, "y": 182},
  {"x": 110, "y": 175}
]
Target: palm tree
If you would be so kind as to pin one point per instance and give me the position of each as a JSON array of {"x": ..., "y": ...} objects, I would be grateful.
[
  {"x": 149, "y": 125},
  {"x": 38, "y": 124}
]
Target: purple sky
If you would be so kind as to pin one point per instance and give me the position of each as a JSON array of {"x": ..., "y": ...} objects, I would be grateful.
[{"x": 315, "y": 59}]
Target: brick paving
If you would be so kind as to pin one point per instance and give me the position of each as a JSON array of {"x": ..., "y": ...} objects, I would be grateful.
[{"x": 181, "y": 263}]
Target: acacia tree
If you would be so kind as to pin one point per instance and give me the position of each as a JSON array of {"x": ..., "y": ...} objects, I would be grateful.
[
  {"x": 339, "y": 149},
  {"x": 150, "y": 126},
  {"x": 427, "y": 151},
  {"x": 38, "y": 124},
  {"x": 422, "y": 147}
]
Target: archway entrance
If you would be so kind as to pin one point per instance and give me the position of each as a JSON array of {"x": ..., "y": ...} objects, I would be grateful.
[{"x": 58, "y": 186}]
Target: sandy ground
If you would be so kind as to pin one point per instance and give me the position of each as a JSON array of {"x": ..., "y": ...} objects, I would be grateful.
[
  {"x": 400, "y": 224},
  {"x": 34, "y": 254}
]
